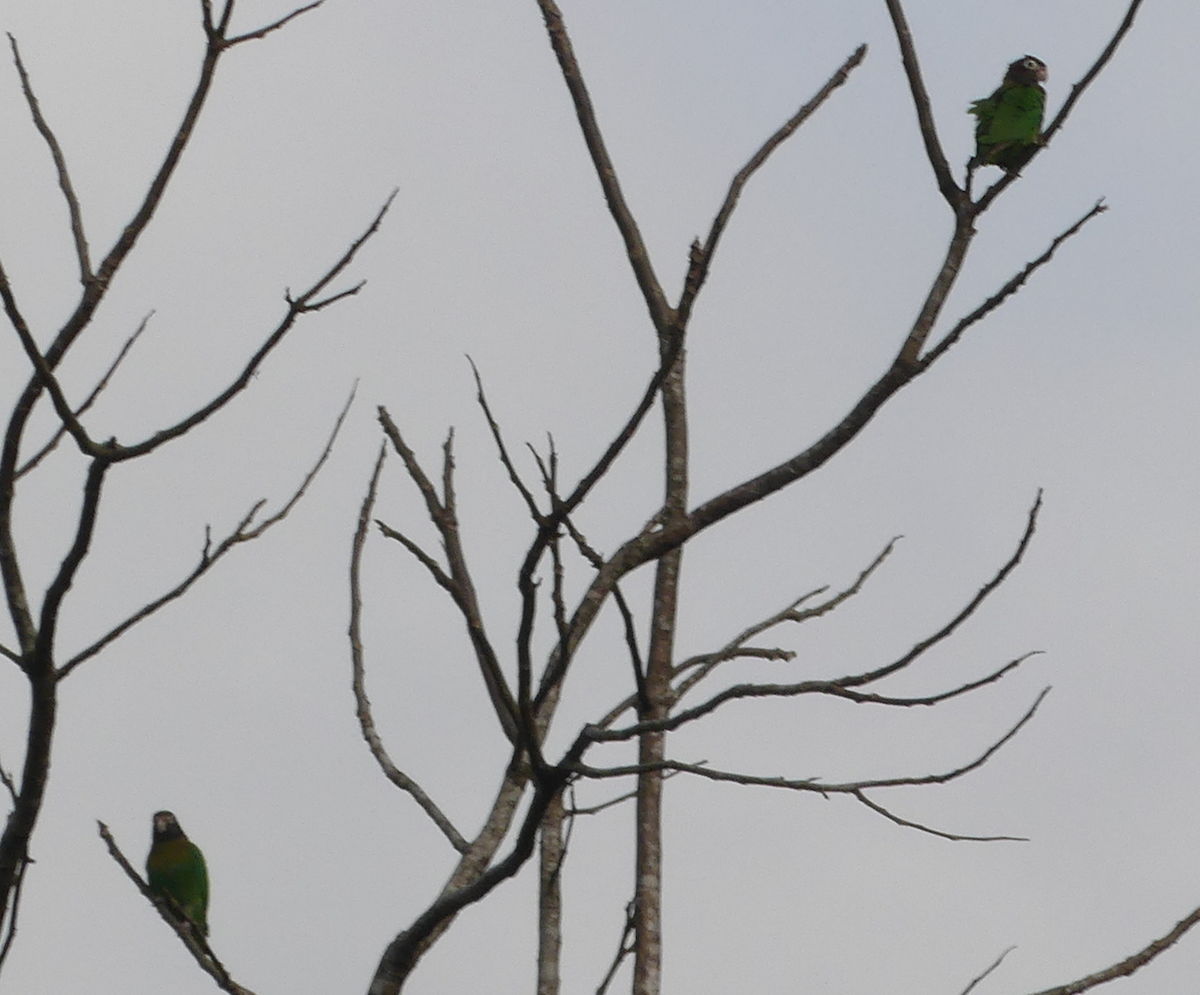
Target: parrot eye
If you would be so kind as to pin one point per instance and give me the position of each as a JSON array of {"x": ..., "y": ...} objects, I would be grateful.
[{"x": 1031, "y": 64}]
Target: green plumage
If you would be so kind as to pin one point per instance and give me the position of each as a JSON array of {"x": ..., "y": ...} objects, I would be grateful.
[
  {"x": 1009, "y": 122},
  {"x": 175, "y": 869}
]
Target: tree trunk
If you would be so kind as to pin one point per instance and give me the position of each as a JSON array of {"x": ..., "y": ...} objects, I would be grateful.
[{"x": 647, "y": 967}]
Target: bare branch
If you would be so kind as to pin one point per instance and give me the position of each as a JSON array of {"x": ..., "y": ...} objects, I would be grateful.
[
  {"x": 366, "y": 719},
  {"x": 433, "y": 503},
  {"x": 54, "y": 440},
  {"x": 501, "y": 449},
  {"x": 11, "y": 654},
  {"x": 631, "y": 639},
  {"x": 273, "y": 26},
  {"x": 624, "y": 949},
  {"x": 196, "y": 944},
  {"x": 457, "y": 582},
  {"x": 612, "y": 802},
  {"x": 892, "y": 817},
  {"x": 807, "y": 784},
  {"x": 1103, "y": 60},
  {"x": 324, "y": 302},
  {"x": 296, "y": 307},
  {"x": 111, "y": 451},
  {"x": 1130, "y": 964},
  {"x": 834, "y": 689},
  {"x": 428, "y": 562},
  {"x": 67, "y": 569},
  {"x": 858, "y": 680},
  {"x": 701, "y": 259},
  {"x": 991, "y": 967},
  {"x": 244, "y": 531},
  {"x": 736, "y": 647},
  {"x": 639, "y": 258},
  {"x": 601, "y": 586},
  {"x": 955, "y": 197},
  {"x": 60, "y": 165},
  {"x": 1010, "y": 288}
]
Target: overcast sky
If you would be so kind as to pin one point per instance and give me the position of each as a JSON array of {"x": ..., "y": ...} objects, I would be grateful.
[{"x": 233, "y": 707}]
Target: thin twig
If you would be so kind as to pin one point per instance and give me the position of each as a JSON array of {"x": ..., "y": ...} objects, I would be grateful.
[
  {"x": 1009, "y": 288},
  {"x": 908, "y": 824},
  {"x": 612, "y": 802},
  {"x": 60, "y": 166},
  {"x": 273, "y": 26},
  {"x": 440, "y": 577},
  {"x": 1103, "y": 60},
  {"x": 702, "y": 256},
  {"x": 623, "y": 948},
  {"x": 990, "y": 968},
  {"x": 111, "y": 451},
  {"x": 501, "y": 449}
]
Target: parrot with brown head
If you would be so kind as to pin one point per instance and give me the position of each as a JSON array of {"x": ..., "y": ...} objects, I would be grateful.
[
  {"x": 175, "y": 869},
  {"x": 1008, "y": 126}
]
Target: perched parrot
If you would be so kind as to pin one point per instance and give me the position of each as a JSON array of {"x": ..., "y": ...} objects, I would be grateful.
[
  {"x": 1009, "y": 126},
  {"x": 175, "y": 869}
]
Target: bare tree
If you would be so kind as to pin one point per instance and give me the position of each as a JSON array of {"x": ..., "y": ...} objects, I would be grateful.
[
  {"x": 659, "y": 682},
  {"x": 534, "y": 800},
  {"x": 38, "y": 651}
]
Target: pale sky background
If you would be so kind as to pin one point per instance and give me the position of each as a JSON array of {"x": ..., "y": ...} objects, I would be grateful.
[{"x": 233, "y": 707}]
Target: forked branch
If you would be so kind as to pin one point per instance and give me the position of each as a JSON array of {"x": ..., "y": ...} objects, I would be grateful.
[
  {"x": 246, "y": 530},
  {"x": 366, "y": 719},
  {"x": 455, "y": 579},
  {"x": 52, "y": 443},
  {"x": 814, "y": 784},
  {"x": 112, "y": 451}
]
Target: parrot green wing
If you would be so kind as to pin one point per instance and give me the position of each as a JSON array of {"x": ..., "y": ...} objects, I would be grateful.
[
  {"x": 1009, "y": 125},
  {"x": 175, "y": 869}
]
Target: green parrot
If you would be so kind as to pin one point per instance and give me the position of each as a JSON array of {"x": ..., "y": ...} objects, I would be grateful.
[
  {"x": 175, "y": 869},
  {"x": 1009, "y": 127}
]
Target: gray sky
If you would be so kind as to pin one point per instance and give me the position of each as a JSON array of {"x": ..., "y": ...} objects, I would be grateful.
[{"x": 233, "y": 707}]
